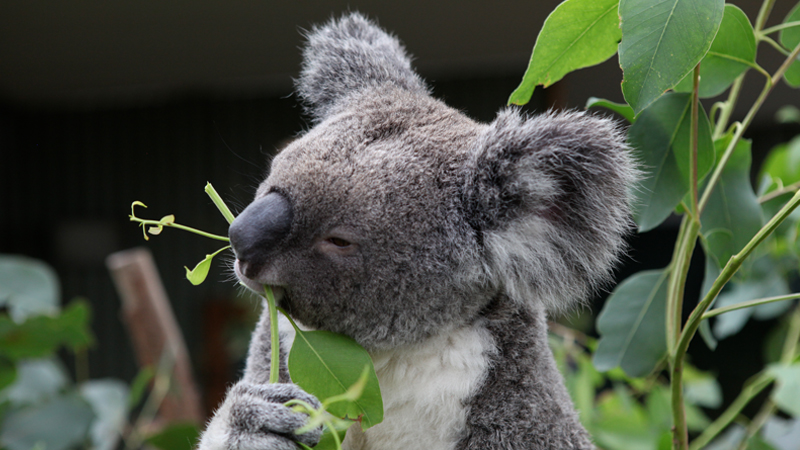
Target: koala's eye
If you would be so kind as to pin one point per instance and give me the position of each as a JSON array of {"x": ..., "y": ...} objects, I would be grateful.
[{"x": 339, "y": 242}]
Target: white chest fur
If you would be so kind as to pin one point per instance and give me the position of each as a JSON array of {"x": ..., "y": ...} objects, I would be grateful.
[{"x": 424, "y": 388}]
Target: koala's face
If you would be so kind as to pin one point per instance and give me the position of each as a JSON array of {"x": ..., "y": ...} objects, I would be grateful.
[
  {"x": 396, "y": 216},
  {"x": 360, "y": 222}
]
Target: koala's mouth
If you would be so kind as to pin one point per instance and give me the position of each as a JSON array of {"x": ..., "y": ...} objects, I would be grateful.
[{"x": 255, "y": 284}]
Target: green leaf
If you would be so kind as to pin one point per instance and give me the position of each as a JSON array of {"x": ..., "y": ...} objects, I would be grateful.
[
  {"x": 326, "y": 364},
  {"x": 632, "y": 325},
  {"x": 623, "y": 109},
  {"x": 108, "y": 399},
  {"x": 661, "y": 43},
  {"x": 731, "y": 53},
  {"x": 788, "y": 114},
  {"x": 139, "y": 385},
  {"x": 622, "y": 423},
  {"x": 181, "y": 436},
  {"x": 8, "y": 373},
  {"x": 783, "y": 162},
  {"x": 200, "y": 272},
  {"x": 787, "y": 393},
  {"x": 765, "y": 281},
  {"x": 58, "y": 424},
  {"x": 789, "y": 38},
  {"x": 792, "y": 75},
  {"x": 733, "y": 214},
  {"x": 42, "y": 335},
  {"x": 702, "y": 388},
  {"x": 660, "y": 138},
  {"x": 577, "y": 34},
  {"x": 28, "y": 287},
  {"x": 37, "y": 380}
]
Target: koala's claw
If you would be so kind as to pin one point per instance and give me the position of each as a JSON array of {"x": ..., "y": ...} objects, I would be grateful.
[{"x": 254, "y": 417}]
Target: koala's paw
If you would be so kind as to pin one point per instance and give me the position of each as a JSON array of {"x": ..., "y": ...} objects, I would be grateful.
[{"x": 254, "y": 417}]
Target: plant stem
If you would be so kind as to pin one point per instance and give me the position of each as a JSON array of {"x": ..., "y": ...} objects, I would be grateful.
[
  {"x": 727, "y": 108},
  {"x": 763, "y": 15},
  {"x": 748, "y": 393},
  {"x": 768, "y": 86},
  {"x": 748, "y": 304},
  {"x": 693, "y": 139},
  {"x": 777, "y": 193},
  {"x": 782, "y": 26},
  {"x": 274, "y": 363},
  {"x": 787, "y": 355},
  {"x": 221, "y": 206},
  {"x": 680, "y": 439},
  {"x": 679, "y": 269}
]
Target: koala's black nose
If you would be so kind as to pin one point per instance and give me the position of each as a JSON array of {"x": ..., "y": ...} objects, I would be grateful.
[{"x": 255, "y": 231}]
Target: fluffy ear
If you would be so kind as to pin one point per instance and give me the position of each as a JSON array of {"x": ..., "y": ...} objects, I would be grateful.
[
  {"x": 347, "y": 55},
  {"x": 550, "y": 196}
]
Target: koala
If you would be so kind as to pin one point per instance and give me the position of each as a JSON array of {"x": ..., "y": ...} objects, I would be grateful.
[{"x": 438, "y": 243}]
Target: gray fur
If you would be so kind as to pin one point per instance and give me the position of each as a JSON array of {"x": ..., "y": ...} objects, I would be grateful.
[{"x": 452, "y": 224}]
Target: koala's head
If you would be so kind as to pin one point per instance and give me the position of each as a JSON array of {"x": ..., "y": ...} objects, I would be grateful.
[{"x": 396, "y": 215}]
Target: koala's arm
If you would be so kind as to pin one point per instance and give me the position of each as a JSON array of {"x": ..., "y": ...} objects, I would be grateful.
[
  {"x": 252, "y": 414},
  {"x": 522, "y": 403}
]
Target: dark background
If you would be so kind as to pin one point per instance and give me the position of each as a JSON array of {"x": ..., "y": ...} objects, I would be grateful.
[{"x": 103, "y": 103}]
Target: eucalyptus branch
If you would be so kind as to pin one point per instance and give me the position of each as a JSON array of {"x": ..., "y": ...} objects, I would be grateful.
[
  {"x": 274, "y": 364},
  {"x": 692, "y": 324},
  {"x": 693, "y": 138},
  {"x": 794, "y": 187},
  {"x": 787, "y": 355},
  {"x": 763, "y": 15},
  {"x": 749, "y": 304},
  {"x": 156, "y": 226},
  {"x": 726, "y": 110},
  {"x": 782, "y": 26},
  {"x": 748, "y": 393},
  {"x": 223, "y": 208},
  {"x": 775, "y": 45}
]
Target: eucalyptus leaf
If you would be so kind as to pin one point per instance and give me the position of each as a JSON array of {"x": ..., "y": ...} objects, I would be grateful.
[
  {"x": 177, "y": 436},
  {"x": 661, "y": 43},
  {"x": 109, "y": 401},
  {"x": 197, "y": 275},
  {"x": 623, "y": 109},
  {"x": 792, "y": 75},
  {"x": 789, "y": 38},
  {"x": 660, "y": 138},
  {"x": 632, "y": 325},
  {"x": 326, "y": 364},
  {"x": 764, "y": 281},
  {"x": 733, "y": 214},
  {"x": 28, "y": 287},
  {"x": 731, "y": 53},
  {"x": 60, "y": 423},
  {"x": 41, "y": 335},
  {"x": 37, "y": 380},
  {"x": 787, "y": 393},
  {"x": 577, "y": 34},
  {"x": 783, "y": 162}
]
